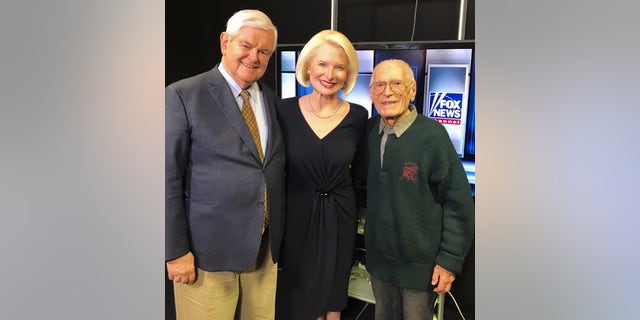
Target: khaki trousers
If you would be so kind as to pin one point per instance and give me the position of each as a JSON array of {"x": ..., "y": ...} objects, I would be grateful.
[{"x": 223, "y": 295}]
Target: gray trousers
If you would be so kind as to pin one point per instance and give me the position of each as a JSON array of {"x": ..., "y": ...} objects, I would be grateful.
[{"x": 396, "y": 303}]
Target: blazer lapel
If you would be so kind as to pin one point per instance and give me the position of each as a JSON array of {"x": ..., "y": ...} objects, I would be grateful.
[{"x": 222, "y": 95}]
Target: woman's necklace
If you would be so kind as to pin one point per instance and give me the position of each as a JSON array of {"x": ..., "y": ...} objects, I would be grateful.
[{"x": 319, "y": 116}]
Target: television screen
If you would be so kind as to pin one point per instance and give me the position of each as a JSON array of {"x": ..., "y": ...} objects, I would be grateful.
[{"x": 444, "y": 75}]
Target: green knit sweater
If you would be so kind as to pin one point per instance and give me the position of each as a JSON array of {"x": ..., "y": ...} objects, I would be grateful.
[{"x": 419, "y": 206}]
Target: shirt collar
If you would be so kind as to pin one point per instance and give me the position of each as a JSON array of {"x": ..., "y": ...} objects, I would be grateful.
[
  {"x": 235, "y": 88},
  {"x": 403, "y": 124}
]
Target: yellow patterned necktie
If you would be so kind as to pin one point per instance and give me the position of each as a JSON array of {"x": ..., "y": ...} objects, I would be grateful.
[{"x": 250, "y": 119}]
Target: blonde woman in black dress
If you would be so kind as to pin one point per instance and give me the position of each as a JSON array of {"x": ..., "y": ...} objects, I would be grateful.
[{"x": 323, "y": 136}]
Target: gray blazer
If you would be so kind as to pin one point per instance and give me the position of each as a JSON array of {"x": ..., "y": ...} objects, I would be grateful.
[{"x": 214, "y": 180}]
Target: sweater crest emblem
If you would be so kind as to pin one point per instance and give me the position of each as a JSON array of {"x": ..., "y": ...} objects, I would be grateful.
[{"x": 410, "y": 172}]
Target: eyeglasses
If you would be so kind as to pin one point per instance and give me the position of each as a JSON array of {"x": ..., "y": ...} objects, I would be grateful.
[{"x": 396, "y": 87}]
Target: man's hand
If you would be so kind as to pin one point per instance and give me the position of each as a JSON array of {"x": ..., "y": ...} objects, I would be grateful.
[
  {"x": 182, "y": 269},
  {"x": 443, "y": 278}
]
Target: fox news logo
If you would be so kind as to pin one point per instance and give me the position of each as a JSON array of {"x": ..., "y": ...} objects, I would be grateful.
[{"x": 445, "y": 107}]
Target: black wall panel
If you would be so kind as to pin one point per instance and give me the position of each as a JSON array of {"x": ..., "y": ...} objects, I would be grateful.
[{"x": 192, "y": 27}]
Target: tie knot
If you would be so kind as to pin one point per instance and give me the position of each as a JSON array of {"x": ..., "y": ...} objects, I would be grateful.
[{"x": 245, "y": 95}]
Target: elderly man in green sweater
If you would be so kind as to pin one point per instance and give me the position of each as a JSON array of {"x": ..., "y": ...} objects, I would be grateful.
[{"x": 420, "y": 213}]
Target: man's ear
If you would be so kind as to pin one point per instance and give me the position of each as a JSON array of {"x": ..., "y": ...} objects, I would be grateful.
[
  {"x": 414, "y": 91},
  {"x": 224, "y": 42}
]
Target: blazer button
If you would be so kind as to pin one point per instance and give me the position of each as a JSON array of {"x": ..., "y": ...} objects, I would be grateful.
[{"x": 260, "y": 203}]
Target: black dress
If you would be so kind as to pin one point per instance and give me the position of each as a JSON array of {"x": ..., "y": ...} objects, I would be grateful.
[{"x": 320, "y": 229}]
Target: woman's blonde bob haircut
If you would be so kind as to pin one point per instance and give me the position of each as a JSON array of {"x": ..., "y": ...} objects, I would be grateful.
[{"x": 309, "y": 50}]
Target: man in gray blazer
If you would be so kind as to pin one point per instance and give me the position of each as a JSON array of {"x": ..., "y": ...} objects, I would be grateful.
[{"x": 224, "y": 206}]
